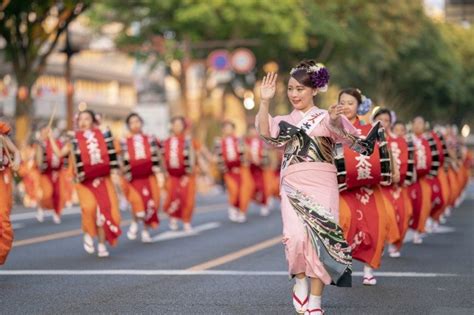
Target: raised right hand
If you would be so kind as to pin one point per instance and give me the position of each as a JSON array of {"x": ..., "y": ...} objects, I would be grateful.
[{"x": 268, "y": 86}]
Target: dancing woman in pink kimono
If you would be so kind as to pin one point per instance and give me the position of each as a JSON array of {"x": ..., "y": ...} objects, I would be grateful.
[{"x": 314, "y": 242}]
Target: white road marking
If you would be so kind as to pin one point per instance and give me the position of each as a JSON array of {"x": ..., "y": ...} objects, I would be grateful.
[
  {"x": 133, "y": 272},
  {"x": 168, "y": 235},
  {"x": 442, "y": 229}
]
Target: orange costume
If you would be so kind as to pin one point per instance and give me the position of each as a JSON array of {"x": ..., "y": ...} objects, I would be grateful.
[
  {"x": 141, "y": 161},
  {"x": 52, "y": 182},
  {"x": 440, "y": 183},
  {"x": 6, "y": 198},
  {"x": 30, "y": 177},
  {"x": 95, "y": 156},
  {"x": 427, "y": 162},
  {"x": 237, "y": 178},
  {"x": 396, "y": 197},
  {"x": 179, "y": 154},
  {"x": 362, "y": 212},
  {"x": 454, "y": 171},
  {"x": 262, "y": 175}
]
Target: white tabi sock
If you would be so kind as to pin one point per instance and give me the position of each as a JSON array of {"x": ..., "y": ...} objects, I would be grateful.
[
  {"x": 314, "y": 302},
  {"x": 301, "y": 288},
  {"x": 368, "y": 272}
]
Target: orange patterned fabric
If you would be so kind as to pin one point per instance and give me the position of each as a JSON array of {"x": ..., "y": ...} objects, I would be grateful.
[
  {"x": 441, "y": 199},
  {"x": 53, "y": 187},
  {"x": 363, "y": 218},
  {"x": 240, "y": 188},
  {"x": 181, "y": 197},
  {"x": 420, "y": 194},
  {"x": 6, "y": 203},
  {"x": 138, "y": 199},
  {"x": 89, "y": 205},
  {"x": 30, "y": 176},
  {"x": 393, "y": 206},
  {"x": 262, "y": 178},
  {"x": 397, "y": 201}
]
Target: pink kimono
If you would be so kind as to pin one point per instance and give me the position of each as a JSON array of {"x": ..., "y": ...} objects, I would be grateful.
[{"x": 314, "y": 242}]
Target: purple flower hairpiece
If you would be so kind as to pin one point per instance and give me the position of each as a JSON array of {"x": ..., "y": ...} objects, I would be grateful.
[{"x": 319, "y": 76}]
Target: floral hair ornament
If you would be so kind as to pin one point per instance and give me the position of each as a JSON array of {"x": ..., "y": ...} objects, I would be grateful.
[
  {"x": 393, "y": 116},
  {"x": 365, "y": 106},
  {"x": 319, "y": 76},
  {"x": 4, "y": 128}
]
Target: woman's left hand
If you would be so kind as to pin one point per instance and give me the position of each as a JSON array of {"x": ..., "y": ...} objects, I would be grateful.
[{"x": 335, "y": 112}]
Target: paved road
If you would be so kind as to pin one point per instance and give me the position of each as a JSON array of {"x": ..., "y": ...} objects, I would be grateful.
[{"x": 223, "y": 268}]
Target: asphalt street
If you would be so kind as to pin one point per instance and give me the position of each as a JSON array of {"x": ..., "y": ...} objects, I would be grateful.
[{"x": 222, "y": 268}]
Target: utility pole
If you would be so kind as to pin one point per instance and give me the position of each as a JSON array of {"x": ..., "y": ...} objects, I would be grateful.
[{"x": 69, "y": 50}]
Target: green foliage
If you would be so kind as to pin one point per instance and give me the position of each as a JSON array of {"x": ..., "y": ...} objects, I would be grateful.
[
  {"x": 390, "y": 50},
  {"x": 32, "y": 29}
]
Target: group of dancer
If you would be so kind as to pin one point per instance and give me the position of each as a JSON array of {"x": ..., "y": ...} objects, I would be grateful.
[
  {"x": 89, "y": 165},
  {"x": 350, "y": 187},
  {"x": 350, "y": 184}
]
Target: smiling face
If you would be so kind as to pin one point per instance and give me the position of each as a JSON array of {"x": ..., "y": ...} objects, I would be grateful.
[
  {"x": 85, "y": 120},
  {"x": 385, "y": 120},
  {"x": 350, "y": 105},
  {"x": 177, "y": 126},
  {"x": 399, "y": 130},
  {"x": 300, "y": 96},
  {"x": 228, "y": 129},
  {"x": 418, "y": 125},
  {"x": 135, "y": 124}
]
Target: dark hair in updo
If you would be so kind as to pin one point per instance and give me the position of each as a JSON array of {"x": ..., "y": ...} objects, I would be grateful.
[
  {"x": 228, "y": 123},
  {"x": 382, "y": 111},
  {"x": 398, "y": 122},
  {"x": 91, "y": 113},
  {"x": 130, "y": 116},
  {"x": 353, "y": 92},
  {"x": 301, "y": 75},
  {"x": 182, "y": 119}
]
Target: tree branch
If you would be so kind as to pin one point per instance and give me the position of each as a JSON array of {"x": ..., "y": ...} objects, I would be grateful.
[{"x": 65, "y": 23}]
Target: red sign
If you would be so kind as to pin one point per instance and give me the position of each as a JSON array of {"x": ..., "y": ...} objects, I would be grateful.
[{"x": 243, "y": 60}]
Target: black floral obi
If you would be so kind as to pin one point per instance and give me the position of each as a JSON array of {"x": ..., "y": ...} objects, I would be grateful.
[{"x": 300, "y": 147}]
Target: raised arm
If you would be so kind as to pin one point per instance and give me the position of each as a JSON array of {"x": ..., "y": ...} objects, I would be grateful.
[
  {"x": 38, "y": 154},
  {"x": 267, "y": 92},
  {"x": 10, "y": 146},
  {"x": 335, "y": 112},
  {"x": 64, "y": 151},
  {"x": 340, "y": 128}
]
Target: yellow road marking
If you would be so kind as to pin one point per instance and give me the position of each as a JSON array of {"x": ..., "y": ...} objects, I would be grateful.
[
  {"x": 77, "y": 232},
  {"x": 54, "y": 236},
  {"x": 236, "y": 255}
]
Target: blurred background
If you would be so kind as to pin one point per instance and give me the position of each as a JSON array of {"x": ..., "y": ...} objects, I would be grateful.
[{"x": 203, "y": 59}]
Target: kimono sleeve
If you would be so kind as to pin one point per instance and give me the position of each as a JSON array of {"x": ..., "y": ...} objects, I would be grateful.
[
  {"x": 344, "y": 132},
  {"x": 275, "y": 138}
]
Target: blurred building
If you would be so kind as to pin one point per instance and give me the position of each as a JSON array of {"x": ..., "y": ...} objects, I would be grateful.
[
  {"x": 460, "y": 11},
  {"x": 104, "y": 79},
  {"x": 453, "y": 11}
]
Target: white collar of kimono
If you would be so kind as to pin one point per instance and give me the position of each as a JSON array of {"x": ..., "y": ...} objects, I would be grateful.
[
  {"x": 311, "y": 119},
  {"x": 303, "y": 114}
]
